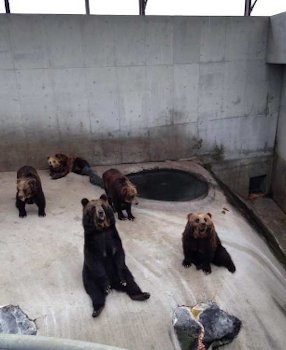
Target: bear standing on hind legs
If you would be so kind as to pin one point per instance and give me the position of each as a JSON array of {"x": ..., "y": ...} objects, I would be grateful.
[
  {"x": 104, "y": 265},
  {"x": 202, "y": 246}
]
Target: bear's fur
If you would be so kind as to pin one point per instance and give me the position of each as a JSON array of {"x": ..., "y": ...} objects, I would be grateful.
[
  {"x": 121, "y": 192},
  {"x": 60, "y": 165},
  {"x": 202, "y": 246},
  {"x": 29, "y": 190},
  {"x": 104, "y": 265}
]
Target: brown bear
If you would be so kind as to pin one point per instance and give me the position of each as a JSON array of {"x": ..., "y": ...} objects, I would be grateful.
[
  {"x": 121, "y": 192},
  {"x": 60, "y": 165},
  {"x": 202, "y": 246},
  {"x": 104, "y": 265},
  {"x": 29, "y": 190}
]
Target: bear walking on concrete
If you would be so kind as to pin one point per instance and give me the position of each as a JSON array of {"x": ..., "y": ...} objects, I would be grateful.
[
  {"x": 29, "y": 191},
  {"x": 202, "y": 246},
  {"x": 104, "y": 265},
  {"x": 121, "y": 192}
]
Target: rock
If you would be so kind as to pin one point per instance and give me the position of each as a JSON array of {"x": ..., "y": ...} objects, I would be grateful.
[
  {"x": 204, "y": 325},
  {"x": 14, "y": 321}
]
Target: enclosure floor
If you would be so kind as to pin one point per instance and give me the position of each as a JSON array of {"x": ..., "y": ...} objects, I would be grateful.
[{"x": 41, "y": 262}]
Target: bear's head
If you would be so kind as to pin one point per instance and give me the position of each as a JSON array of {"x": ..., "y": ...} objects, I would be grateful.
[
  {"x": 26, "y": 188},
  {"x": 95, "y": 212},
  {"x": 57, "y": 160},
  {"x": 129, "y": 192},
  {"x": 201, "y": 225}
]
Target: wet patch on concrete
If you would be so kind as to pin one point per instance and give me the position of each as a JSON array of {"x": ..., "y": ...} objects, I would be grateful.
[
  {"x": 14, "y": 321},
  {"x": 169, "y": 185}
]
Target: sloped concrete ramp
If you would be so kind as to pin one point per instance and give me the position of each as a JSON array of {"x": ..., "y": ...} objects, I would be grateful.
[{"x": 41, "y": 261}]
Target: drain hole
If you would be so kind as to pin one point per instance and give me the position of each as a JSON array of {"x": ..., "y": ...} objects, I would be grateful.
[
  {"x": 257, "y": 184},
  {"x": 168, "y": 185}
]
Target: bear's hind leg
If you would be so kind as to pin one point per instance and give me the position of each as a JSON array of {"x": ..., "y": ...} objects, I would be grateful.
[
  {"x": 132, "y": 288},
  {"x": 96, "y": 294},
  {"x": 222, "y": 258}
]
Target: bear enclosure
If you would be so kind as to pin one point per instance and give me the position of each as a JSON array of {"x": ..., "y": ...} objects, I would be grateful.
[{"x": 122, "y": 89}]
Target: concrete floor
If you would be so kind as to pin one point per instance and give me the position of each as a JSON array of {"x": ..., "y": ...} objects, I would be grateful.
[{"x": 41, "y": 261}]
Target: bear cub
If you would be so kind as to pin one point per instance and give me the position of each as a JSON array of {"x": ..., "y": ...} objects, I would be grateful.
[
  {"x": 104, "y": 265},
  {"x": 29, "y": 191},
  {"x": 121, "y": 192},
  {"x": 202, "y": 246}
]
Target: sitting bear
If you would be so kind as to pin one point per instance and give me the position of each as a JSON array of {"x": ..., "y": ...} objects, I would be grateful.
[
  {"x": 121, "y": 192},
  {"x": 60, "y": 165},
  {"x": 202, "y": 246},
  {"x": 29, "y": 190},
  {"x": 104, "y": 265}
]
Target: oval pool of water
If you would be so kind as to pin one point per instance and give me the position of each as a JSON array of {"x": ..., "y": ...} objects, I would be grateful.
[{"x": 168, "y": 185}]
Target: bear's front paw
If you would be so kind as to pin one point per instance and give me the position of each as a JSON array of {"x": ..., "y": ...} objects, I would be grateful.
[
  {"x": 22, "y": 214},
  {"x": 107, "y": 289},
  {"x": 131, "y": 217},
  {"x": 42, "y": 214},
  {"x": 186, "y": 263},
  {"x": 123, "y": 283}
]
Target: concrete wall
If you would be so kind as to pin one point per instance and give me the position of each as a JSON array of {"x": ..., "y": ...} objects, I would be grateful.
[
  {"x": 279, "y": 169},
  {"x": 130, "y": 89},
  {"x": 276, "y": 52}
]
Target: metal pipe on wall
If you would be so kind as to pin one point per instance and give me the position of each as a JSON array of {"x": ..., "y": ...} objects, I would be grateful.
[{"x": 7, "y": 6}]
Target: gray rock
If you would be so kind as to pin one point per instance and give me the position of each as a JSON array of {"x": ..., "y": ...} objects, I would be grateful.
[
  {"x": 14, "y": 321},
  {"x": 204, "y": 325}
]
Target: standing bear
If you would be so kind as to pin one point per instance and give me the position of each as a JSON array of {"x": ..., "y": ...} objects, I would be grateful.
[
  {"x": 104, "y": 265},
  {"x": 29, "y": 191},
  {"x": 121, "y": 192},
  {"x": 202, "y": 246}
]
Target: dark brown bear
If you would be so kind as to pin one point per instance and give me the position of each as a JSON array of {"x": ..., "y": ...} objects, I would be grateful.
[
  {"x": 202, "y": 246},
  {"x": 121, "y": 192},
  {"x": 104, "y": 265},
  {"x": 29, "y": 190}
]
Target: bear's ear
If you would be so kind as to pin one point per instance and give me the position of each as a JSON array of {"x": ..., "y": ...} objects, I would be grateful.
[
  {"x": 209, "y": 214},
  {"x": 103, "y": 197},
  {"x": 84, "y": 202},
  {"x": 48, "y": 157},
  {"x": 189, "y": 216}
]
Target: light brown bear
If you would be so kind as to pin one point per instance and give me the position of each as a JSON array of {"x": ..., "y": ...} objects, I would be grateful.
[
  {"x": 29, "y": 191},
  {"x": 121, "y": 192},
  {"x": 202, "y": 246},
  {"x": 60, "y": 165}
]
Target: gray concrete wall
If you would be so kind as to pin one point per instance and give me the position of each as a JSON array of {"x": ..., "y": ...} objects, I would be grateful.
[
  {"x": 276, "y": 52},
  {"x": 279, "y": 169},
  {"x": 119, "y": 89}
]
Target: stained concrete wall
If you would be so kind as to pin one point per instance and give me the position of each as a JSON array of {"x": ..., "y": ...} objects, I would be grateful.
[
  {"x": 279, "y": 169},
  {"x": 119, "y": 89},
  {"x": 276, "y": 52}
]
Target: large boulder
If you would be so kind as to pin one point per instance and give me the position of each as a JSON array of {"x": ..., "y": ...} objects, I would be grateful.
[
  {"x": 205, "y": 324},
  {"x": 14, "y": 321}
]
